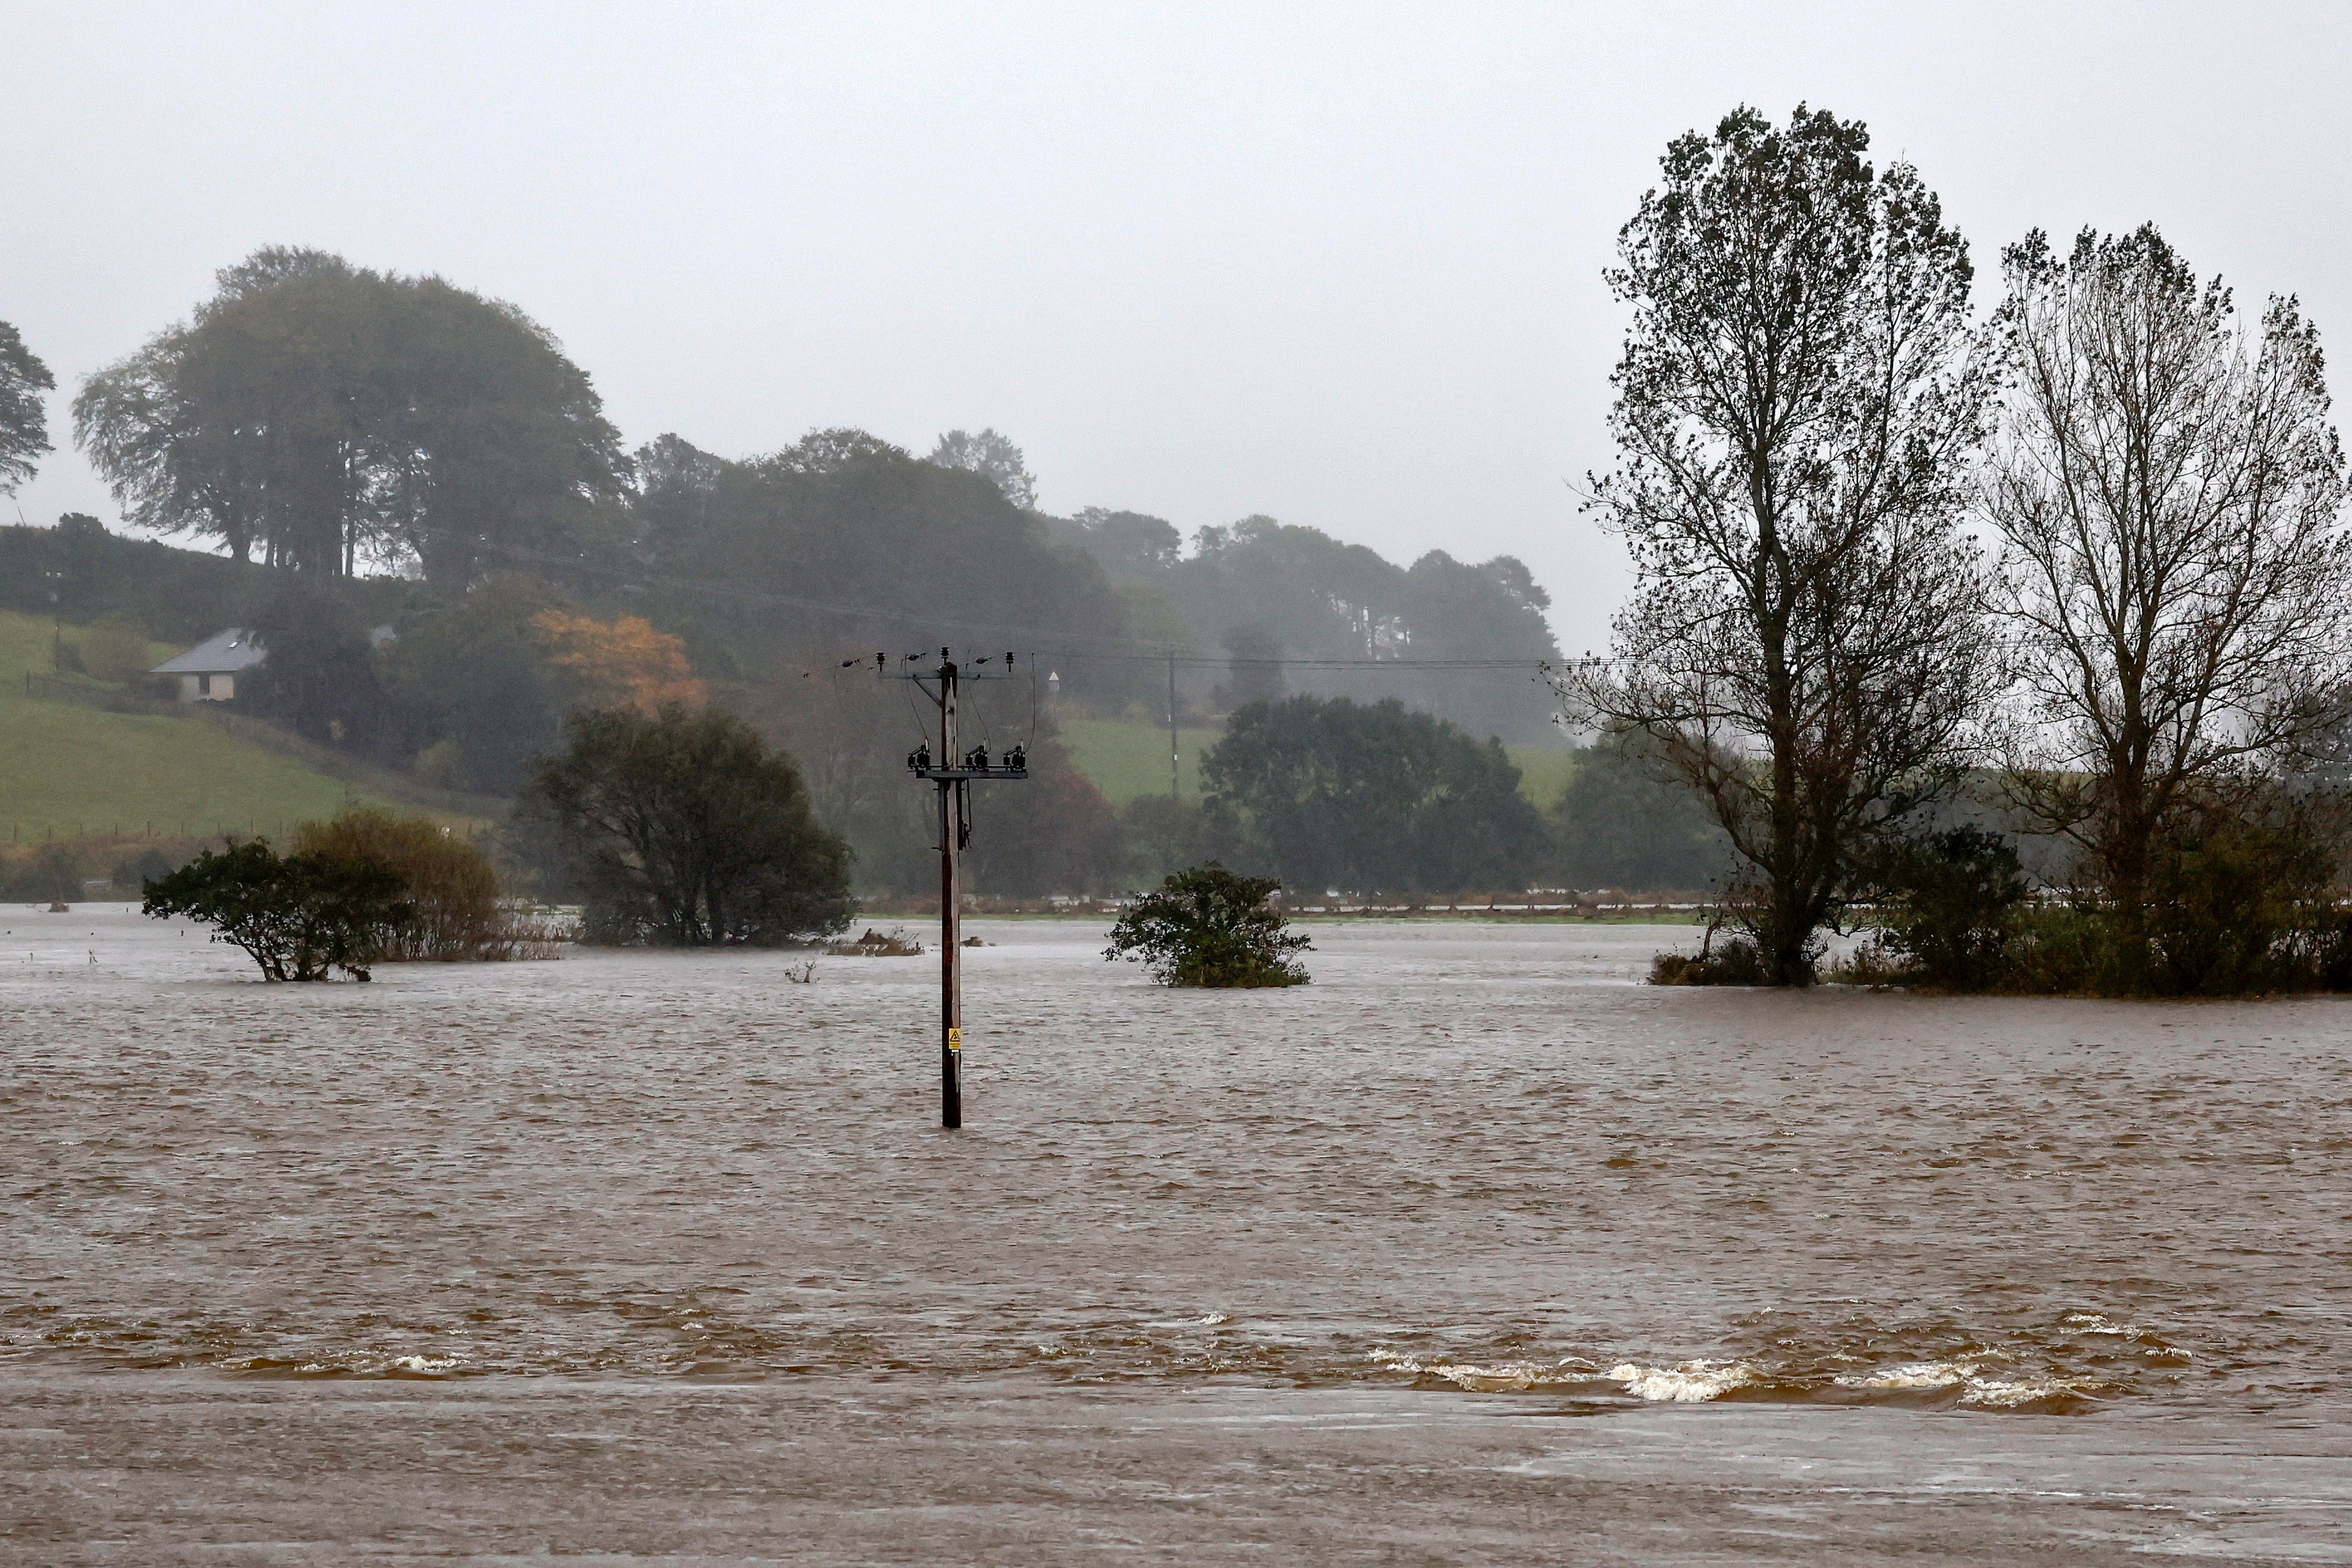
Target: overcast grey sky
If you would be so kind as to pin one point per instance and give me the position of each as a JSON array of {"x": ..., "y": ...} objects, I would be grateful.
[{"x": 1338, "y": 264}]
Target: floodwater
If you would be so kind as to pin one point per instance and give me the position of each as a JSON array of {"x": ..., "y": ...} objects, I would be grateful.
[{"x": 1475, "y": 1250}]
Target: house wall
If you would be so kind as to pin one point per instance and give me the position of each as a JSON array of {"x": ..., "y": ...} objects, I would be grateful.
[{"x": 208, "y": 688}]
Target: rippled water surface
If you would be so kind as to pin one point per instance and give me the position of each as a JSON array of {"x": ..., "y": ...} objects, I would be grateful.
[{"x": 1469, "y": 1160}]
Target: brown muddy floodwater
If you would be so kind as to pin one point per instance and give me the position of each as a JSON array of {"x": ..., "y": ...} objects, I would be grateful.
[{"x": 1473, "y": 1251}]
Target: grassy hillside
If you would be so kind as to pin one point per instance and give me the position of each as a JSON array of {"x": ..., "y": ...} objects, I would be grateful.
[
  {"x": 1544, "y": 771},
  {"x": 67, "y": 770},
  {"x": 1124, "y": 759}
]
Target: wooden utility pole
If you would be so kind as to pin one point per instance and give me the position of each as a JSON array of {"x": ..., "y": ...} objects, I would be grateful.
[
  {"x": 952, "y": 776},
  {"x": 1175, "y": 748}
]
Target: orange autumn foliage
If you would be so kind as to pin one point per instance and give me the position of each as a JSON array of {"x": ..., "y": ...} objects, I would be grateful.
[{"x": 621, "y": 663}]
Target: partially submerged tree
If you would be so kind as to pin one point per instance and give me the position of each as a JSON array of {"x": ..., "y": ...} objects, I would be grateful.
[
  {"x": 300, "y": 918},
  {"x": 1795, "y": 410},
  {"x": 2169, "y": 490},
  {"x": 454, "y": 911},
  {"x": 1209, "y": 927},
  {"x": 23, "y": 418},
  {"x": 682, "y": 829}
]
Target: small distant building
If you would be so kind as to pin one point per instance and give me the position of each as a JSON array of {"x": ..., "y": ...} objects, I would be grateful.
[{"x": 208, "y": 671}]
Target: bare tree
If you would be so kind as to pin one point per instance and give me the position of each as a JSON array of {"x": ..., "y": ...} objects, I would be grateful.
[
  {"x": 2168, "y": 493},
  {"x": 1795, "y": 411}
]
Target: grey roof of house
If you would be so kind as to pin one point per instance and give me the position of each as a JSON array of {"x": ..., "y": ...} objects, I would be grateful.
[{"x": 222, "y": 653}]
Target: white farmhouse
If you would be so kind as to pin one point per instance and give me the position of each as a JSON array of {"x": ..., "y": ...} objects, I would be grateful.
[{"x": 208, "y": 671}]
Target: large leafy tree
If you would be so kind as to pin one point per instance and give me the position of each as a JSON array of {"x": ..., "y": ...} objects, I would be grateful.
[
  {"x": 682, "y": 829},
  {"x": 318, "y": 413},
  {"x": 2169, "y": 491},
  {"x": 23, "y": 421},
  {"x": 1796, "y": 408},
  {"x": 1331, "y": 793}
]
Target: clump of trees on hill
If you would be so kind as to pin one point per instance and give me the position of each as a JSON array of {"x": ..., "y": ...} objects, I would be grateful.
[
  {"x": 1260, "y": 589},
  {"x": 1330, "y": 793},
  {"x": 322, "y": 416},
  {"x": 2154, "y": 672}
]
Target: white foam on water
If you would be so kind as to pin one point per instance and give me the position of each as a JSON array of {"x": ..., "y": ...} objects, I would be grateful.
[
  {"x": 1508, "y": 1377},
  {"x": 1207, "y": 1320},
  {"x": 1978, "y": 1386},
  {"x": 425, "y": 1363},
  {"x": 2007, "y": 1393},
  {"x": 1911, "y": 1374},
  {"x": 1691, "y": 1383}
]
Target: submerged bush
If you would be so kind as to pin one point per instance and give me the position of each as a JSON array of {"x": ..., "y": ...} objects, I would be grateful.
[
  {"x": 1738, "y": 962},
  {"x": 2241, "y": 903},
  {"x": 2241, "y": 897},
  {"x": 298, "y": 918},
  {"x": 453, "y": 894},
  {"x": 1209, "y": 927},
  {"x": 51, "y": 875},
  {"x": 1955, "y": 904},
  {"x": 683, "y": 830}
]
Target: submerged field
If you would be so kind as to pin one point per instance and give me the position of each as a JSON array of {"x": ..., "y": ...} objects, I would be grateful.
[{"x": 1325, "y": 1272}]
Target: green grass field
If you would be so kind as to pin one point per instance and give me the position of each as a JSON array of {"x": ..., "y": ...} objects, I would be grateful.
[
  {"x": 67, "y": 771},
  {"x": 1124, "y": 759},
  {"x": 1544, "y": 771}
]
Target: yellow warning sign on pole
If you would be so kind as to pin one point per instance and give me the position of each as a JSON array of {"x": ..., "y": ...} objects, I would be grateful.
[{"x": 955, "y": 1039}]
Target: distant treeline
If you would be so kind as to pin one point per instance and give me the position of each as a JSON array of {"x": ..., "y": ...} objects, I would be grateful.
[
  {"x": 1321, "y": 792},
  {"x": 332, "y": 421},
  {"x": 368, "y": 450}
]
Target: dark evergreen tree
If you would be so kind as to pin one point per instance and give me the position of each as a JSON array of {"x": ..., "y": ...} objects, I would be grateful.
[
  {"x": 683, "y": 830},
  {"x": 1333, "y": 794}
]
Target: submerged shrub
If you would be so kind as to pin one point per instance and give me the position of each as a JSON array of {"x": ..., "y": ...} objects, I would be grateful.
[
  {"x": 683, "y": 830},
  {"x": 1737, "y": 962},
  {"x": 453, "y": 894},
  {"x": 1209, "y": 927},
  {"x": 2242, "y": 902},
  {"x": 298, "y": 918},
  {"x": 1954, "y": 901},
  {"x": 51, "y": 875}
]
